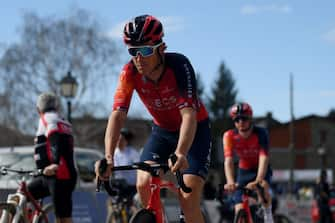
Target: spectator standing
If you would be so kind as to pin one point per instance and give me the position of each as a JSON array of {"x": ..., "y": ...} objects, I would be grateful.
[{"x": 322, "y": 194}]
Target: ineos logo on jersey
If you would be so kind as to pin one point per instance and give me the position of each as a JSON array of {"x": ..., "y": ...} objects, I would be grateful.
[
  {"x": 166, "y": 102},
  {"x": 167, "y": 90},
  {"x": 189, "y": 81}
]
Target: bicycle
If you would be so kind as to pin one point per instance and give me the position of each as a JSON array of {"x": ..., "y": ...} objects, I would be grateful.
[
  {"x": 250, "y": 213},
  {"x": 21, "y": 207},
  {"x": 120, "y": 206},
  {"x": 154, "y": 212}
]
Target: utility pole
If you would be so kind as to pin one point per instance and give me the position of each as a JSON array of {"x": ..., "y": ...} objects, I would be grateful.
[{"x": 292, "y": 137}]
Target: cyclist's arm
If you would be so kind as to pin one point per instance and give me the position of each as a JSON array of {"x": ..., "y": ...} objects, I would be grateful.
[
  {"x": 187, "y": 130},
  {"x": 229, "y": 170},
  {"x": 115, "y": 123},
  {"x": 186, "y": 136},
  {"x": 229, "y": 161},
  {"x": 263, "y": 160},
  {"x": 122, "y": 98},
  {"x": 262, "y": 167}
]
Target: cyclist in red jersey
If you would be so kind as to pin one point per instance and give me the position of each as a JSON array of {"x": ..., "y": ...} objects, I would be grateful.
[
  {"x": 166, "y": 84},
  {"x": 54, "y": 154},
  {"x": 251, "y": 144}
]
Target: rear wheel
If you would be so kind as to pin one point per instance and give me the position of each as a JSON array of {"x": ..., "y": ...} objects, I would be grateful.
[
  {"x": 241, "y": 217},
  {"x": 143, "y": 216}
]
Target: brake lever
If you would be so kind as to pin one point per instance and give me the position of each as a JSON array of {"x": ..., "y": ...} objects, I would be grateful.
[{"x": 179, "y": 176}]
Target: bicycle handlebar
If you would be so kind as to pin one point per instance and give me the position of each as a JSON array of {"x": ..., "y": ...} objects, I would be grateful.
[
  {"x": 37, "y": 172},
  {"x": 151, "y": 168},
  {"x": 250, "y": 192}
]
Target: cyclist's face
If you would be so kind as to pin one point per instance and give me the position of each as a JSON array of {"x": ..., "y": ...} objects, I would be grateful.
[
  {"x": 242, "y": 124},
  {"x": 145, "y": 64}
]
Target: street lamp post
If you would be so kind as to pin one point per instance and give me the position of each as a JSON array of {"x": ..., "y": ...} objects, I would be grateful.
[
  {"x": 69, "y": 88},
  {"x": 322, "y": 153}
]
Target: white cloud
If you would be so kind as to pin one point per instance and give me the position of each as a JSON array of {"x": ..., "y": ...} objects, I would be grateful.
[
  {"x": 330, "y": 36},
  {"x": 256, "y": 9},
  {"x": 327, "y": 93},
  {"x": 170, "y": 24}
]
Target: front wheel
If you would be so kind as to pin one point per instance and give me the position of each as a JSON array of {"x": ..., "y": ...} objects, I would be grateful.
[
  {"x": 45, "y": 217},
  {"x": 7, "y": 211},
  {"x": 143, "y": 216},
  {"x": 241, "y": 217}
]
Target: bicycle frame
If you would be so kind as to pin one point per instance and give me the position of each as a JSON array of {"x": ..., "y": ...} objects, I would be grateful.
[
  {"x": 18, "y": 201},
  {"x": 155, "y": 203},
  {"x": 246, "y": 207},
  {"x": 248, "y": 193}
]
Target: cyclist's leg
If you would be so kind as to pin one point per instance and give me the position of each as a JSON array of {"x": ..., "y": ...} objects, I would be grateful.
[
  {"x": 266, "y": 185},
  {"x": 243, "y": 178},
  {"x": 190, "y": 202},
  {"x": 61, "y": 192},
  {"x": 38, "y": 187},
  {"x": 143, "y": 187},
  {"x": 267, "y": 207},
  {"x": 159, "y": 146},
  {"x": 195, "y": 175}
]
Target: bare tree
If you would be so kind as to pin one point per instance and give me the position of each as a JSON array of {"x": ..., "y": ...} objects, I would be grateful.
[{"x": 48, "y": 48}]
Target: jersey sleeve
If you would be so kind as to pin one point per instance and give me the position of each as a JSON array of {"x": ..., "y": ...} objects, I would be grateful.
[
  {"x": 263, "y": 138},
  {"x": 228, "y": 144},
  {"x": 124, "y": 90},
  {"x": 186, "y": 81}
]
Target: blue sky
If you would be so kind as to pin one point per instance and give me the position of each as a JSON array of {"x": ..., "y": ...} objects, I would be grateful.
[{"x": 262, "y": 42}]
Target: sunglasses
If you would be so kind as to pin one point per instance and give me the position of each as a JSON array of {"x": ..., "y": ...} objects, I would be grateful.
[
  {"x": 241, "y": 118},
  {"x": 145, "y": 51}
]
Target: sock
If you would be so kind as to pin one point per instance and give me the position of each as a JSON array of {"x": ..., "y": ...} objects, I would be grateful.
[{"x": 268, "y": 218}]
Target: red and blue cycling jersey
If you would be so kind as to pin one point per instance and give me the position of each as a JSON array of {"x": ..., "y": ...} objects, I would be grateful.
[
  {"x": 59, "y": 139},
  {"x": 247, "y": 149},
  {"x": 175, "y": 90}
]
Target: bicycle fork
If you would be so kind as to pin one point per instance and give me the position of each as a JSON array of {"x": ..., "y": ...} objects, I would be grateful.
[{"x": 14, "y": 209}]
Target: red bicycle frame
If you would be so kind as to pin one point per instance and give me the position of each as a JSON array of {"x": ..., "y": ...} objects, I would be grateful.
[
  {"x": 22, "y": 196},
  {"x": 246, "y": 207},
  {"x": 37, "y": 207},
  {"x": 155, "y": 203}
]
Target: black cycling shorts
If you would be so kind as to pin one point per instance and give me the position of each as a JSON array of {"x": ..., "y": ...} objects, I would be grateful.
[
  {"x": 59, "y": 190},
  {"x": 162, "y": 143}
]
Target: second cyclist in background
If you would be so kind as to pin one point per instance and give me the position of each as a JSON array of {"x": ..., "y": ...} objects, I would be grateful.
[
  {"x": 251, "y": 144},
  {"x": 54, "y": 154}
]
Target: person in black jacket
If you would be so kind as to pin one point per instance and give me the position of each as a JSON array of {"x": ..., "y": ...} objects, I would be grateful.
[{"x": 322, "y": 194}]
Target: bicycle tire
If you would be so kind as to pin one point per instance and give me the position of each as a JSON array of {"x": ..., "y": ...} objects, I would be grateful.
[
  {"x": 143, "y": 216},
  {"x": 114, "y": 218},
  {"x": 47, "y": 209},
  {"x": 241, "y": 217}
]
